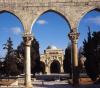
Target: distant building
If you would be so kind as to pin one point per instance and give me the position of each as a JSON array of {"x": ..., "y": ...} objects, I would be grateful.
[
  {"x": 53, "y": 59},
  {"x": 82, "y": 61}
]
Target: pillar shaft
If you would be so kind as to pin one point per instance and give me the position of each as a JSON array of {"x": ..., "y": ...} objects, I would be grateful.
[
  {"x": 75, "y": 64},
  {"x": 47, "y": 69},
  {"x": 27, "y": 41},
  {"x": 75, "y": 75},
  {"x": 75, "y": 54},
  {"x": 27, "y": 66},
  {"x": 62, "y": 70}
]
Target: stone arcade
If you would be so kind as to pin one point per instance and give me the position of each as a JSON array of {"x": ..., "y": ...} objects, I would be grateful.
[{"x": 28, "y": 11}]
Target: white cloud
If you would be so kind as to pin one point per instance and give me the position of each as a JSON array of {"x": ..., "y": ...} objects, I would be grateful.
[
  {"x": 95, "y": 20},
  {"x": 16, "y": 30},
  {"x": 42, "y": 22}
]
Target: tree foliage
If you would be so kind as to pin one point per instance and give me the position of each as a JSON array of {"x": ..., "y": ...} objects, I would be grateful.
[
  {"x": 10, "y": 63},
  {"x": 35, "y": 57},
  {"x": 8, "y": 47},
  {"x": 81, "y": 60},
  {"x": 15, "y": 58},
  {"x": 21, "y": 55},
  {"x": 91, "y": 50},
  {"x": 67, "y": 60}
]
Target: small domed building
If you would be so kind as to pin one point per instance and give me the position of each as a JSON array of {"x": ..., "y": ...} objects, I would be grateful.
[{"x": 53, "y": 60}]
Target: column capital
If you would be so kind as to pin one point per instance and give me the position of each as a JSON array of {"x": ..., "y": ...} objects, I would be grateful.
[
  {"x": 73, "y": 36},
  {"x": 27, "y": 39}
]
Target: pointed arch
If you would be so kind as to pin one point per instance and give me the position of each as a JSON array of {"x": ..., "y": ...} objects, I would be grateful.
[
  {"x": 55, "y": 11},
  {"x": 55, "y": 67},
  {"x": 86, "y": 12},
  {"x": 6, "y": 11}
]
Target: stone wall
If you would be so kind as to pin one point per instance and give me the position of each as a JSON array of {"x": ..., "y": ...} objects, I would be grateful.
[{"x": 28, "y": 11}]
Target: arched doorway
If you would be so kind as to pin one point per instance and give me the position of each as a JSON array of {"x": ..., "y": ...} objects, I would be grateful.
[
  {"x": 42, "y": 67},
  {"x": 55, "y": 67}
]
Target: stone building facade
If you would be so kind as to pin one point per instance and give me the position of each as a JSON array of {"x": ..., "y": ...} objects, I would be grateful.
[{"x": 50, "y": 55}]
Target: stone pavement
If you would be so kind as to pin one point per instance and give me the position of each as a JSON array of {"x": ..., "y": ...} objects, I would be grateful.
[
  {"x": 65, "y": 86},
  {"x": 59, "y": 84},
  {"x": 53, "y": 84}
]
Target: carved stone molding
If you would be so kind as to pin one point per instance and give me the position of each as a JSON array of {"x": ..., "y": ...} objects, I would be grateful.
[
  {"x": 27, "y": 39},
  {"x": 73, "y": 36}
]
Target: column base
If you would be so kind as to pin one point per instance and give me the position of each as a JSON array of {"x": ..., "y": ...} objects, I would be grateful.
[
  {"x": 28, "y": 86},
  {"x": 75, "y": 76}
]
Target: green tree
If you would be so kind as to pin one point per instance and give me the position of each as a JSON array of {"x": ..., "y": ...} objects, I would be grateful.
[
  {"x": 21, "y": 55},
  {"x": 10, "y": 65},
  {"x": 81, "y": 58},
  {"x": 91, "y": 50},
  {"x": 67, "y": 60},
  {"x": 35, "y": 57},
  {"x": 1, "y": 68},
  {"x": 9, "y": 47}
]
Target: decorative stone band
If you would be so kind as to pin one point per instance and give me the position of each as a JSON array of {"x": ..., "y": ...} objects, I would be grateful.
[
  {"x": 73, "y": 36},
  {"x": 27, "y": 39}
]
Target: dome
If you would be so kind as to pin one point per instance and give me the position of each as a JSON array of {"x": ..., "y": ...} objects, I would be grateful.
[{"x": 51, "y": 47}]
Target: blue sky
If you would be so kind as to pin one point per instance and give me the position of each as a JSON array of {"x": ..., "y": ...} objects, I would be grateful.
[
  {"x": 91, "y": 20},
  {"x": 10, "y": 26},
  {"x": 49, "y": 29}
]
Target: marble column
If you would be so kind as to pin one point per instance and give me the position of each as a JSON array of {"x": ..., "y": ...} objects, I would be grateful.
[
  {"x": 27, "y": 42},
  {"x": 62, "y": 70},
  {"x": 75, "y": 72},
  {"x": 47, "y": 69}
]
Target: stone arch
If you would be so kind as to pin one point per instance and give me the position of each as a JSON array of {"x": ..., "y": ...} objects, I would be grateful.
[
  {"x": 53, "y": 59},
  {"x": 12, "y": 13},
  {"x": 55, "y": 66},
  {"x": 55, "y": 11},
  {"x": 86, "y": 12},
  {"x": 43, "y": 67}
]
